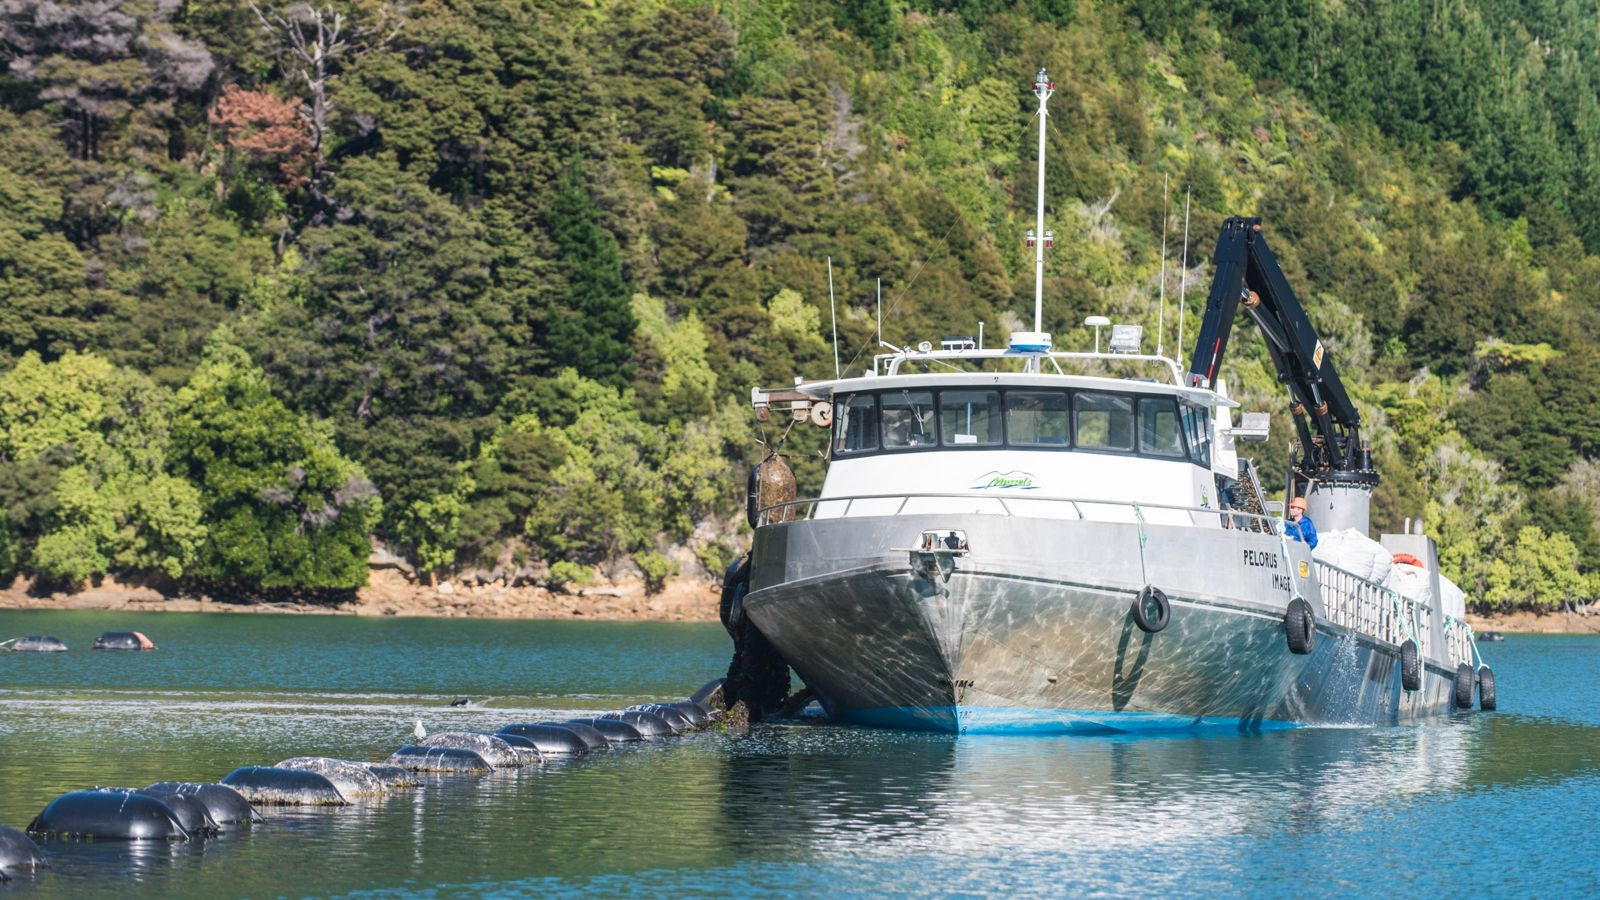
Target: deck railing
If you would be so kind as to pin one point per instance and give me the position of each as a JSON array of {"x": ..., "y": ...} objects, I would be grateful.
[
  {"x": 1369, "y": 608},
  {"x": 1006, "y": 504},
  {"x": 1376, "y": 611}
]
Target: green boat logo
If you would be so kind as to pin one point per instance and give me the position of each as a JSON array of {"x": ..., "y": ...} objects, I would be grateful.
[{"x": 1010, "y": 481}]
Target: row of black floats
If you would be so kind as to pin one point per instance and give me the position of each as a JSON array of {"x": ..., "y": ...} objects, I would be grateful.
[
  {"x": 173, "y": 810},
  {"x": 110, "y": 640}
]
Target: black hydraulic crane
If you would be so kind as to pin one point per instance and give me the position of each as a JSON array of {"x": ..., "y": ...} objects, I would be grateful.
[{"x": 1327, "y": 423}]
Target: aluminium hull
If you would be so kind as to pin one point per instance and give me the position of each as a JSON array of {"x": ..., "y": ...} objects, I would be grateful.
[{"x": 1033, "y": 632}]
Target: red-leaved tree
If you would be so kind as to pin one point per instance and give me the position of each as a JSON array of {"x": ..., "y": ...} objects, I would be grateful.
[{"x": 266, "y": 130}]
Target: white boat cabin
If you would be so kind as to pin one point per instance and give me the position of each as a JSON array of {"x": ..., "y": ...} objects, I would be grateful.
[{"x": 1023, "y": 443}]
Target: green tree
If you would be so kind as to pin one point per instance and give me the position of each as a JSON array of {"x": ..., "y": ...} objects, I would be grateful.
[
  {"x": 283, "y": 507},
  {"x": 102, "y": 434},
  {"x": 591, "y": 329}
]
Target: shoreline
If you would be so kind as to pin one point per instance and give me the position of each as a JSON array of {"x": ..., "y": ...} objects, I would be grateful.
[
  {"x": 1528, "y": 622},
  {"x": 387, "y": 593}
]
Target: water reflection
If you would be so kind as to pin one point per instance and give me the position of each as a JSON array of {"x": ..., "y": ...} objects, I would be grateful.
[{"x": 813, "y": 808}]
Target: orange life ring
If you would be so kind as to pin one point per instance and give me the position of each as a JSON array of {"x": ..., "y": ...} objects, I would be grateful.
[{"x": 1409, "y": 560}]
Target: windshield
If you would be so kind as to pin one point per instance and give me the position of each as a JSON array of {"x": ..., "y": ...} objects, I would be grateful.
[{"x": 907, "y": 418}]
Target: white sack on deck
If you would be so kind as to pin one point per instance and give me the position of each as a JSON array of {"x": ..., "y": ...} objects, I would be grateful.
[
  {"x": 1355, "y": 553},
  {"x": 1412, "y": 582},
  {"x": 1454, "y": 601}
]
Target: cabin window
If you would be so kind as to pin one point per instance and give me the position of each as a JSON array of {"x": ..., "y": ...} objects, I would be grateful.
[
  {"x": 907, "y": 418},
  {"x": 1102, "y": 421},
  {"x": 1037, "y": 418},
  {"x": 1197, "y": 427},
  {"x": 1158, "y": 427},
  {"x": 855, "y": 424},
  {"x": 970, "y": 418}
]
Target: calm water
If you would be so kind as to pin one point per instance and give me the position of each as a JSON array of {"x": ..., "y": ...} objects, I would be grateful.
[{"x": 1491, "y": 804}]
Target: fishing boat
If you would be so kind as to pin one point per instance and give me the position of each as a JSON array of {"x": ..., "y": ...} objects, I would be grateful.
[{"x": 1027, "y": 539}]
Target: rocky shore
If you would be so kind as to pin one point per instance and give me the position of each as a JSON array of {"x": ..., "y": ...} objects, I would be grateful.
[
  {"x": 388, "y": 593},
  {"x": 1525, "y": 622}
]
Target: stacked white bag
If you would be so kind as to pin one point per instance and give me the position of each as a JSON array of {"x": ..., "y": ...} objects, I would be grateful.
[
  {"x": 1454, "y": 601},
  {"x": 1412, "y": 582},
  {"x": 1355, "y": 553}
]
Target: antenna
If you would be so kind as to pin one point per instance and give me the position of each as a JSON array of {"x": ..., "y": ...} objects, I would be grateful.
[
  {"x": 834, "y": 315},
  {"x": 1043, "y": 87},
  {"x": 1183, "y": 276},
  {"x": 1161, "y": 316},
  {"x": 880, "y": 310}
]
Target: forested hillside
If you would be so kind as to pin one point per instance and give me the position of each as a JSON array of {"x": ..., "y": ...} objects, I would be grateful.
[{"x": 489, "y": 282}]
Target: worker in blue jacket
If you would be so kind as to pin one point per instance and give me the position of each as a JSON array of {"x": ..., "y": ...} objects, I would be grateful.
[{"x": 1299, "y": 527}]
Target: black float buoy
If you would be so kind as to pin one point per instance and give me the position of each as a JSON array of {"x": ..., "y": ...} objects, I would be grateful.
[
  {"x": 18, "y": 851},
  {"x": 591, "y": 736},
  {"x": 123, "y": 640},
  {"x": 392, "y": 776},
  {"x": 527, "y": 750},
  {"x": 649, "y": 725},
  {"x": 223, "y": 804},
  {"x": 1486, "y": 689},
  {"x": 699, "y": 716},
  {"x": 270, "y": 786},
  {"x": 615, "y": 731},
  {"x": 549, "y": 740},
  {"x": 676, "y": 718},
  {"x": 708, "y": 694},
  {"x": 448, "y": 760},
  {"x": 494, "y": 751},
  {"x": 191, "y": 813},
  {"x": 353, "y": 779},
  {"x": 116, "y": 815},
  {"x": 38, "y": 643}
]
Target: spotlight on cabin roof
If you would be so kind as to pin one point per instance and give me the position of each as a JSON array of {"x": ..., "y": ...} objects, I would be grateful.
[{"x": 1126, "y": 338}]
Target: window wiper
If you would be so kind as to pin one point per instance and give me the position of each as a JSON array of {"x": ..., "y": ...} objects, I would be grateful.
[{"x": 916, "y": 411}]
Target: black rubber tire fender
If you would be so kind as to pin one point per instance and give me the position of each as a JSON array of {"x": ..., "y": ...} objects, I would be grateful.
[
  {"x": 1410, "y": 666},
  {"x": 735, "y": 582},
  {"x": 1300, "y": 626},
  {"x": 1151, "y": 611},
  {"x": 1486, "y": 689},
  {"x": 752, "y": 494},
  {"x": 1466, "y": 680}
]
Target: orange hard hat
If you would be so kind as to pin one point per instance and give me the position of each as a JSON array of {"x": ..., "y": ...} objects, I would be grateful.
[{"x": 1298, "y": 503}]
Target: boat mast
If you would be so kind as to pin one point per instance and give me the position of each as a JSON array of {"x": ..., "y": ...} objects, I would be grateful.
[{"x": 1043, "y": 87}]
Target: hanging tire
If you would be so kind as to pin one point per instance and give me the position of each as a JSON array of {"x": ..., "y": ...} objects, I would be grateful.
[
  {"x": 1466, "y": 680},
  {"x": 1410, "y": 666},
  {"x": 1300, "y": 626},
  {"x": 1486, "y": 689},
  {"x": 735, "y": 582},
  {"x": 1151, "y": 611},
  {"x": 752, "y": 495}
]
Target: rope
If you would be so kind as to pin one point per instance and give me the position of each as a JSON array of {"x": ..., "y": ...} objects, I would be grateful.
[
  {"x": 1143, "y": 539},
  {"x": 1288, "y": 566},
  {"x": 1400, "y": 610}
]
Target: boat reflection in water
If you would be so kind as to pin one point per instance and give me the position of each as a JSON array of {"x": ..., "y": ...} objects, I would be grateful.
[{"x": 904, "y": 795}]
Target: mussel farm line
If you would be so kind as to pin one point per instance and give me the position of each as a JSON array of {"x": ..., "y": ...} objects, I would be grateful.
[{"x": 178, "y": 810}]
